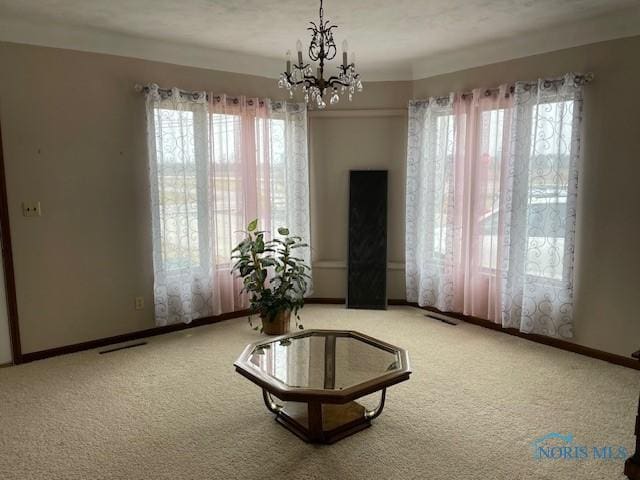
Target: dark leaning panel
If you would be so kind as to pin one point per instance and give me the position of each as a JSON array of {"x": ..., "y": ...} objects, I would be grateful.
[{"x": 367, "y": 275}]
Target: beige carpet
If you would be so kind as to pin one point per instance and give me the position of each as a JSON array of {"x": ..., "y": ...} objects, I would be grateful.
[{"x": 175, "y": 409}]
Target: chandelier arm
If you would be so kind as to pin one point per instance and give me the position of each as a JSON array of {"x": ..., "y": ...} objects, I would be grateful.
[
  {"x": 336, "y": 81},
  {"x": 311, "y": 81},
  {"x": 297, "y": 82}
]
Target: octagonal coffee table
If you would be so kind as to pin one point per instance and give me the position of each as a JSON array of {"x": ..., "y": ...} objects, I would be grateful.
[{"x": 312, "y": 378}]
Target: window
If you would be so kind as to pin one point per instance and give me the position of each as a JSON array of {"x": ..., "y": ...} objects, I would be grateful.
[
  {"x": 183, "y": 178},
  {"x": 441, "y": 183},
  {"x": 178, "y": 188},
  {"x": 278, "y": 174},
  {"x": 547, "y": 190},
  {"x": 227, "y": 184},
  {"x": 216, "y": 164},
  {"x": 491, "y": 215},
  {"x": 550, "y": 173},
  {"x": 488, "y": 164}
]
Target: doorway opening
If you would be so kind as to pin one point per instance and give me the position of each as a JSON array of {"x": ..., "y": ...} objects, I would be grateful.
[{"x": 10, "y": 351}]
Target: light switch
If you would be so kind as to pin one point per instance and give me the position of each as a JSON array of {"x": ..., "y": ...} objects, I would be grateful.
[{"x": 31, "y": 209}]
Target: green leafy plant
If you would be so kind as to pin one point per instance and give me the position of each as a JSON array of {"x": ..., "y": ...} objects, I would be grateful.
[{"x": 274, "y": 277}]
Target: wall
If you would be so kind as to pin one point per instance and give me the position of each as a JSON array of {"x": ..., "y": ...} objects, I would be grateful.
[
  {"x": 607, "y": 255},
  {"x": 74, "y": 138},
  {"x": 375, "y": 137},
  {"x": 376, "y": 140}
]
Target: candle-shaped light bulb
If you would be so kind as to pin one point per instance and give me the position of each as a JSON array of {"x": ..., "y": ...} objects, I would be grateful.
[
  {"x": 299, "y": 50},
  {"x": 345, "y": 48},
  {"x": 289, "y": 61}
]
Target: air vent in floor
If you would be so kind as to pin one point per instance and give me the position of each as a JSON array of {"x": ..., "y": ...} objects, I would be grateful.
[
  {"x": 442, "y": 318},
  {"x": 115, "y": 349}
]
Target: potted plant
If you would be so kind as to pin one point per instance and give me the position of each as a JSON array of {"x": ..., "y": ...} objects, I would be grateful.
[{"x": 274, "y": 277}]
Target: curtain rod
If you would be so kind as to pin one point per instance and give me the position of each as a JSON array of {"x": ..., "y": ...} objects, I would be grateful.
[
  {"x": 192, "y": 95},
  {"x": 579, "y": 79}
]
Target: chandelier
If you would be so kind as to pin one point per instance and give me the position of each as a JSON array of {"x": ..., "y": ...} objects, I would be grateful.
[{"x": 322, "y": 48}]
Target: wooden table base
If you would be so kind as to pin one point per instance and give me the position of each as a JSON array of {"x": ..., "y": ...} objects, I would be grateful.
[
  {"x": 315, "y": 422},
  {"x": 632, "y": 469},
  {"x": 632, "y": 465}
]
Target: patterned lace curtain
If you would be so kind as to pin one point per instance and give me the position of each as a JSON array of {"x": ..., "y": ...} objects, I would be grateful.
[
  {"x": 491, "y": 204},
  {"x": 216, "y": 163},
  {"x": 290, "y": 173}
]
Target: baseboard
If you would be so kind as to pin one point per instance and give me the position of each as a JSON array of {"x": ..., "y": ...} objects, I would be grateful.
[
  {"x": 326, "y": 301},
  {"x": 150, "y": 332},
  {"x": 552, "y": 342}
]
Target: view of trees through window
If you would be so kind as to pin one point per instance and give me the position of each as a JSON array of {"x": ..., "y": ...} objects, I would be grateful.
[{"x": 209, "y": 191}]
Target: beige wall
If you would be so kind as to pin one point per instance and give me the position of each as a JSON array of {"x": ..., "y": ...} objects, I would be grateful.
[
  {"x": 74, "y": 139},
  {"x": 375, "y": 139},
  {"x": 339, "y": 145}
]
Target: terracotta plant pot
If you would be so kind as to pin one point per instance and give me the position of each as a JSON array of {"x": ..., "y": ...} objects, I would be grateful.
[{"x": 278, "y": 325}]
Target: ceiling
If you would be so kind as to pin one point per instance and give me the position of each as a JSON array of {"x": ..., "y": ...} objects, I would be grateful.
[{"x": 399, "y": 40}]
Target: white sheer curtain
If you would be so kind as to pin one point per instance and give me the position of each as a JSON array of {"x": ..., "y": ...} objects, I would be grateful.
[
  {"x": 290, "y": 173},
  {"x": 216, "y": 163},
  {"x": 491, "y": 203}
]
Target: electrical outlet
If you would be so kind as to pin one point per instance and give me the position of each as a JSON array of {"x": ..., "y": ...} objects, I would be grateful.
[
  {"x": 139, "y": 303},
  {"x": 31, "y": 209}
]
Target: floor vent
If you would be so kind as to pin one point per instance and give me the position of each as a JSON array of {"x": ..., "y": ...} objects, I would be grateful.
[
  {"x": 443, "y": 318},
  {"x": 123, "y": 347}
]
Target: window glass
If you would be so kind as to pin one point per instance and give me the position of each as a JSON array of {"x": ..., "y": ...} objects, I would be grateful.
[
  {"x": 487, "y": 172},
  {"x": 198, "y": 190},
  {"x": 547, "y": 188},
  {"x": 177, "y": 188},
  {"x": 442, "y": 182},
  {"x": 227, "y": 184},
  {"x": 551, "y": 143}
]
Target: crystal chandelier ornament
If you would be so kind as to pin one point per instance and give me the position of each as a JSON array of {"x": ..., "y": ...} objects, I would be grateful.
[{"x": 299, "y": 76}]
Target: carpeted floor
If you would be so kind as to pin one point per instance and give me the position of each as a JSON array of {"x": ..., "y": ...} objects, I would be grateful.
[{"x": 175, "y": 409}]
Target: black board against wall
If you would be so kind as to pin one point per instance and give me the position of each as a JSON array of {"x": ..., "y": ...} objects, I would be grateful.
[{"x": 367, "y": 264}]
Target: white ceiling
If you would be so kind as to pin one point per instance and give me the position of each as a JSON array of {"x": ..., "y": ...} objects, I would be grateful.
[{"x": 394, "y": 39}]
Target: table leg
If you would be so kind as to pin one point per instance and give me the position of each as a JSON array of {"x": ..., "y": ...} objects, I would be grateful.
[
  {"x": 315, "y": 421},
  {"x": 371, "y": 414},
  {"x": 268, "y": 401}
]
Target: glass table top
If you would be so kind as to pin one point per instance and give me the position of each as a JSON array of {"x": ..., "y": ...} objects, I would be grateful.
[{"x": 324, "y": 360}]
